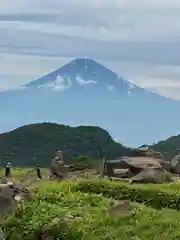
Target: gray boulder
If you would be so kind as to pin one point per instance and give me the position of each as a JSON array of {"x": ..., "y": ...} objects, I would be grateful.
[
  {"x": 152, "y": 175},
  {"x": 57, "y": 169},
  {"x": 10, "y": 195},
  {"x": 2, "y": 235},
  {"x": 175, "y": 164}
]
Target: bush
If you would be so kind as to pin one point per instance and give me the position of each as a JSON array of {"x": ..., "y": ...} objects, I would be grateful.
[
  {"x": 59, "y": 213},
  {"x": 82, "y": 163},
  {"x": 153, "y": 195}
]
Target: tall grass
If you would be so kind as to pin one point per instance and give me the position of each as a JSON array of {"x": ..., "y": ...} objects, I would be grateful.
[{"x": 61, "y": 211}]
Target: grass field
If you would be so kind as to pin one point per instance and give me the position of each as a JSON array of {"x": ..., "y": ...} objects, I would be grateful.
[
  {"x": 78, "y": 210},
  {"x": 27, "y": 174},
  {"x": 18, "y": 173}
]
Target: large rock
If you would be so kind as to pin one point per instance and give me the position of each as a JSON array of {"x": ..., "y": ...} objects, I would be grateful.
[
  {"x": 175, "y": 164},
  {"x": 165, "y": 164},
  {"x": 146, "y": 152},
  {"x": 2, "y": 235},
  {"x": 122, "y": 173},
  {"x": 122, "y": 207},
  {"x": 152, "y": 175},
  {"x": 133, "y": 164},
  {"x": 9, "y": 196},
  {"x": 144, "y": 165},
  {"x": 57, "y": 167},
  {"x": 141, "y": 163},
  {"x": 7, "y": 203}
]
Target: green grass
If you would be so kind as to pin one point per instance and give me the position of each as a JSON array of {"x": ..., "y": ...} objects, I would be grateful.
[
  {"x": 83, "y": 215},
  {"x": 25, "y": 174},
  {"x": 157, "y": 196}
]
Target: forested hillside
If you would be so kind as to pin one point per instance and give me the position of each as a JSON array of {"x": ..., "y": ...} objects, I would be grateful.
[
  {"x": 169, "y": 147},
  {"x": 37, "y": 143}
]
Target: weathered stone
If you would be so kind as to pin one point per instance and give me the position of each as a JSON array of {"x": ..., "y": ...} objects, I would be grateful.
[
  {"x": 2, "y": 235},
  {"x": 122, "y": 173},
  {"x": 175, "y": 164},
  {"x": 6, "y": 199},
  {"x": 141, "y": 163},
  {"x": 165, "y": 164},
  {"x": 152, "y": 175},
  {"x": 134, "y": 165},
  {"x": 122, "y": 207},
  {"x": 9, "y": 196},
  {"x": 146, "y": 152},
  {"x": 57, "y": 168}
]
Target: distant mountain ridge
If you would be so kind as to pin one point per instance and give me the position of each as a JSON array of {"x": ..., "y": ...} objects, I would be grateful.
[
  {"x": 84, "y": 92},
  {"x": 37, "y": 143},
  {"x": 169, "y": 147}
]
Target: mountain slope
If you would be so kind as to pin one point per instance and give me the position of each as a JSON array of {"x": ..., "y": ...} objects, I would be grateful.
[
  {"x": 88, "y": 74},
  {"x": 37, "y": 143},
  {"x": 169, "y": 147},
  {"x": 84, "y": 92}
]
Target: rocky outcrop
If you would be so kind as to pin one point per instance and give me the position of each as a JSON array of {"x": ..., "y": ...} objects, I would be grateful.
[
  {"x": 152, "y": 175},
  {"x": 175, "y": 164},
  {"x": 57, "y": 169},
  {"x": 10, "y": 194},
  {"x": 144, "y": 165}
]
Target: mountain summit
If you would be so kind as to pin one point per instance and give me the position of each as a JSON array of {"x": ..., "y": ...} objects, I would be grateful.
[
  {"x": 87, "y": 74},
  {"x": 84, "y": 92}
]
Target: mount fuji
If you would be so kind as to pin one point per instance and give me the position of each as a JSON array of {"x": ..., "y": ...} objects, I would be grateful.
[{"x": 84, "y": 92}]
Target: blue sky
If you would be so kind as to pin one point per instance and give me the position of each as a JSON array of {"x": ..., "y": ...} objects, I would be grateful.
[{"x": 140, "y": 40}]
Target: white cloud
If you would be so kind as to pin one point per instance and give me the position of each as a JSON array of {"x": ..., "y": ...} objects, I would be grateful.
[
  {"x": 110, "y": 87},
  {"x": 83, "y": 82},
  {"x": 16, "y": 70},
  {"x": 172, "y": 92},
  {"x": 163, "y": 79},
  {"x": 49, "y": 5},
  {"x": 139, "y": 38},
  {"x": 59, "y": 84},
  {"x": 119, "y": 22}
]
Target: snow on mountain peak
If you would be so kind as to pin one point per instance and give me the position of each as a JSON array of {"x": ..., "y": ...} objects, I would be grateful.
[
  {"x": 58, "y": 84},
  {"x": 83, "y": 82},
  {"x": 85, "y": 73}
]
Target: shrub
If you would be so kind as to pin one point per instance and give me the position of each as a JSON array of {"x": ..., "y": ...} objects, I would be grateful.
[
  {"x": 149, "y": 194},
  {"x": 82, "y": 163},
  {"x": 57, "y": 212}
]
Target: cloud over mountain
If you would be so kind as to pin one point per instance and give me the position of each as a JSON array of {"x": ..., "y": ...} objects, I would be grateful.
[{"x": 133, "y": 32}]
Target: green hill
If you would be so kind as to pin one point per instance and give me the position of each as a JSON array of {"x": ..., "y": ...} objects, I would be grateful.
[
  {"x": 37, "y": 143},
  {"x": 169, "y": 147}
]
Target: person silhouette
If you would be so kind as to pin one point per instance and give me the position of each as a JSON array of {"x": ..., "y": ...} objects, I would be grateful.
[
  {"x": 8, "y": 170},
  {"x": 38, "y": 171}
]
